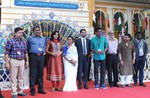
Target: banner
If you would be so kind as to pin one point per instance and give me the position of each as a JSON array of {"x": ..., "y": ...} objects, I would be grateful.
[{"x": 43, "y": 4}]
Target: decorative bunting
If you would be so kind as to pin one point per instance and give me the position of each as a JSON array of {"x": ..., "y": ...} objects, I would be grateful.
[{"x": 51, "y": 15}]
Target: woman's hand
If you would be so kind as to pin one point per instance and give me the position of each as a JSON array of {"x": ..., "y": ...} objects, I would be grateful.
[
  {"x": 121, "y": 62},
  {"x": 59, "y": 53},
  {"x": 53, "y": 54},
  {"x": 73, "y": 62}
]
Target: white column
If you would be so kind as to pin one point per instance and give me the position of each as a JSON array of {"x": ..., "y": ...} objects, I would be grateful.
[
  {"x": 110, "y": 13},
  {"x": 147, "y": 33},
  {"x": 129, "y": 19}
]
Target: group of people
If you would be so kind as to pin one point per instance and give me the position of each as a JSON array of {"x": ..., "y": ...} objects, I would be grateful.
[{"x": 71, "y": 61}]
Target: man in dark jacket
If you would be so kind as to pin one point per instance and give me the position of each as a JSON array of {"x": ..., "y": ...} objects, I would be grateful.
[{"x": 141, "y": 52}]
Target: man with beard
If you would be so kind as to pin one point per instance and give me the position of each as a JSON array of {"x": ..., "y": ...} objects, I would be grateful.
[
  {"x": 83, "y": 48},
  {"x": 126, "y": 51},
  {"x": 141, "y": 52}
]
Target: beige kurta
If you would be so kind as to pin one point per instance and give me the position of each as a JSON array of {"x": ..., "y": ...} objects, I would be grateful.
[{"x": 127, "y": 57}]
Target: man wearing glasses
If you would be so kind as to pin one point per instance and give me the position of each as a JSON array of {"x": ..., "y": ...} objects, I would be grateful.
[
  {"x": 99, "y": 48},
  {"x": 112, "y": 59}
]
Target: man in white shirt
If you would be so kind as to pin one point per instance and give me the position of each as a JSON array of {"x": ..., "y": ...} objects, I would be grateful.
[{"x": 112, "y": 60}]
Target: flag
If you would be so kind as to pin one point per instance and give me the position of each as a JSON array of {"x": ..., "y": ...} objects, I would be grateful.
[
  {"x": 126, "y": 24},
  {"x": 108, "y": 21},
  {"x": 115, "y": 22},
  {"x": 134, "y": 26},
  {"x": 119, "y": 24},
  {"x": 139, "y": 24},
  {"x": 101, "y": 21},
  {"x": 115, "y": 19},
  {"x": 146, "y": 22},
  {"x": 121, "y": 35},
  {"x": 94, "y": 17}
]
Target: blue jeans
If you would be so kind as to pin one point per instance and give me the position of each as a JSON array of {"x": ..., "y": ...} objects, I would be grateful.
[{"x": 139, "y": 66}]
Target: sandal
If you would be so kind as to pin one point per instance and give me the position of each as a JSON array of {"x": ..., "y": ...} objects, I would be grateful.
[
  {"x": 53, "y": 89},
  {"x": 58, "y": 89}
]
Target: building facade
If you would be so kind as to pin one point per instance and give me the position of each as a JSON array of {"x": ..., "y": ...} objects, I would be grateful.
[{"x": 68, "y": 17}]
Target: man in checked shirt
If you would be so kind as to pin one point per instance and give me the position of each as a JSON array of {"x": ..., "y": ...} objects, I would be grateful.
[{"x": 16, "y": 60}]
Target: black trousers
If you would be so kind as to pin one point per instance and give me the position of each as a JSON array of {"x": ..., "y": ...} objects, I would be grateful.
[
  {"x": 139, "y": 67},
  {"x": 101, "y": 64},
  {"x": 89, "y": 67},
  {"x": 83, "y": 68},
  {"x": 36, "y": 65},
  {"x": 112, "y": 67}
]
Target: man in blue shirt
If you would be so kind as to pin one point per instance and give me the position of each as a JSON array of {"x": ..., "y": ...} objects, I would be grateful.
[
  {"x": 99, "y": 48},
  {"x": 36, "y": 47}
]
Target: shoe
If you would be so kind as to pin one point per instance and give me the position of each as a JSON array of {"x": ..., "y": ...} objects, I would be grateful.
[
  {"x": 89, "y": 79},
  {"x": 14, "y": 96},
  {"x": 33, "y": 93},
  {"x": 123, "y": 86},
  {"x": 42, "y": 92},
  {"x": 103, "y": 86},
  {"x": 79, "y": 87},
  {"x": 116, "y": 85},
  {"x": 86, "y": 87},
  {"x": 142, "y": 84},
  {"x": 128, "y": 85},
  {"x": 23, "y": 94},
  {"x": 111, "y": 85},
  {"x": 135, "y": 84},
  {"x": 1, "y": 96},
  {"x": 53, "y": 89},
  {"x": 96, "y": 86},
  {"x": 58, "y": 89}
]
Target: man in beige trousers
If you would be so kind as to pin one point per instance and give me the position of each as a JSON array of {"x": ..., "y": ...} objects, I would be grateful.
[{"x": 16, "y": 60}]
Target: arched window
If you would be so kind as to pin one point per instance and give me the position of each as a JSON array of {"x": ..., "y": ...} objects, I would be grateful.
[
  {"x": 118, "y": 22},
  {"x": 137, "y": 22},
  {"x": 100, "y": 19}
]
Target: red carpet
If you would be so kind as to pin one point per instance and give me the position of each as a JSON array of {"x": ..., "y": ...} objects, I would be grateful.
[{"x": 135, "y": 92}]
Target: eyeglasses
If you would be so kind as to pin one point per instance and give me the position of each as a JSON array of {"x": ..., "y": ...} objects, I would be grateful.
[{"x": 99, "y": 31}]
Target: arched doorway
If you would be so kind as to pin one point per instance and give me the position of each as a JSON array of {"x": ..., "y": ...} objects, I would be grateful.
[
  {"x": 118, "y": 23},
  {"x": 100, "y": 20},
  {"x": 138, "y": 25}
]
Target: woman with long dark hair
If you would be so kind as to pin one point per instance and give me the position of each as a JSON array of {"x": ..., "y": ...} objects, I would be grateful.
[{"x": 55, "y": 65}]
